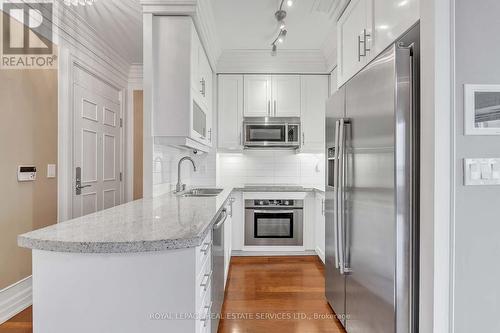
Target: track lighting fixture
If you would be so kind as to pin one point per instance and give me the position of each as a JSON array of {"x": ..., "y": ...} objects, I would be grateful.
[{"x": 280, "y": 15}]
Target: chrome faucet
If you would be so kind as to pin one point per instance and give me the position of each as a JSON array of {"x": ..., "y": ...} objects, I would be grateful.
[{"x": 181, "y": 187}]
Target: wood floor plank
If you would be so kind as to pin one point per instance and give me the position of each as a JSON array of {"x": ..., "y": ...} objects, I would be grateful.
[{"x": 266, "y": 294}]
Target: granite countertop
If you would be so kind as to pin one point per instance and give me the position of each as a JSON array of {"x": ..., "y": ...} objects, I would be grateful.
[
  {"x": 164, "y": 222},
  {"x": 161, "y": 223}
]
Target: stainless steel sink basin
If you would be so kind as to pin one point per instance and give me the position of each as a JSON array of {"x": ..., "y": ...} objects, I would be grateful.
[{"x": 203, "y": 192}]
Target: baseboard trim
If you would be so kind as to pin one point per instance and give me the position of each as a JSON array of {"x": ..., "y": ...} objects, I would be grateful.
[
  {"x": 15, "y": 298},
  {"x": 238, "y": 253},
  {"x": 321, "y": 254}
]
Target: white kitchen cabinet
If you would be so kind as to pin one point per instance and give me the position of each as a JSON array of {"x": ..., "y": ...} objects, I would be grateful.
[
  {"x": 271, "y": 96},
  {"x": 182, "y": 103},
  {"x": 237, "y": 221},
  {"x": 320, "y": 225},
  {"x": 354, "y": 32},
  {"x": 257, "y": 100},
  {"x": 391, "y": 19},
  {"x": 367, "y": 27},
  {"x": 230, "y": 108},
  {"x": 285, "y": 96},
  {"x": 314, "y": 93}
]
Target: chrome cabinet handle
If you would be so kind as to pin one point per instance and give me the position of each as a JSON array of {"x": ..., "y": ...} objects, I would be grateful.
[
  {"x": 210, "y": 135},
  {"x": 205, "y": 319},
  {"x": 363, "y": 41},
  {"x": 275, "y": 108},
  {"x": 269, "y": 107},
  {"x": 340, "y": 205},
  {"x": 303, "y": 138},
  {"x": 208, "y": 276},
  {"x": 205, "y": 249},
  {"x": 359, "y": 48},
  {"x": 202, "y": 91}
]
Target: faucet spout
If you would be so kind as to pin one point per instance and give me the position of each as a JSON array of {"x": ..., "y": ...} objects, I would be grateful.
[{"x": 180, "y": 187}]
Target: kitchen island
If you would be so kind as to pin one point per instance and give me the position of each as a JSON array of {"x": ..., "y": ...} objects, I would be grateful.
[{"x": 144, "y": 266}]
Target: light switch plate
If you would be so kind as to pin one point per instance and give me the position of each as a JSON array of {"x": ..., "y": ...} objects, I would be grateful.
[
  {"x": 481, "y": 171},
  {"x": 51, "y": 171}
]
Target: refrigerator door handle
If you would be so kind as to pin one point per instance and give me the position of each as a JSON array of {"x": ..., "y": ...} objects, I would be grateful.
[
  {"x": 340, "y": 197},
  {"x": 335, "y": 192}
]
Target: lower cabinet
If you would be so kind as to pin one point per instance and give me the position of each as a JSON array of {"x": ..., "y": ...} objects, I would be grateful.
[
  {"x": 203, "y": 294},
  {"x": 319, "y": 226}
]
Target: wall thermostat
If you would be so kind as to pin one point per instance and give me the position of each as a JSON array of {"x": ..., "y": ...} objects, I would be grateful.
[{"x": 26, "y": 173}]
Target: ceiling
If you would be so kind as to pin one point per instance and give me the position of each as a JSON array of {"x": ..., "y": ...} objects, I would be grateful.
[
  {"x": 251, "y": 25},
  {"x": 239, "y": 25},
  {"x": 118, "y": 23}
]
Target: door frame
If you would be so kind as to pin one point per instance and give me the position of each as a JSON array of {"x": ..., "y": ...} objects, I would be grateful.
[{"x": 68, "y": 63}]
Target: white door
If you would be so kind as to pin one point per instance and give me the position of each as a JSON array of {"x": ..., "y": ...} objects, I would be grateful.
[
  {"x": 351, "y": 35},
  {"x": 229, "y": 131},
  {"x": 314, "y": 93},
  {"x": 96, "y": 151},
  {"x": 286, "y": 96},
  {"x": 257, "y": 101}
]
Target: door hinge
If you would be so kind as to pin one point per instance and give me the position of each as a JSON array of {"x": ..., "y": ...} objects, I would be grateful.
[
  {"x": 121, "y": 122},
  {"x": 121, "y": 176}
]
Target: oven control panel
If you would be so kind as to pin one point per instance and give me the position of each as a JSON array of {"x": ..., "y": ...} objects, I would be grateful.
[{"x": 280, "y": 203}]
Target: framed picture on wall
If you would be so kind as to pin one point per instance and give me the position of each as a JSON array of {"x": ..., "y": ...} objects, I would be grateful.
[{"x": 482, "y": 109}]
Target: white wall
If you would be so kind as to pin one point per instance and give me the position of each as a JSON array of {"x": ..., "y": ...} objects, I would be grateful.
[
  {"x": 270, "y": 167},
  {"x": 165, "y": 161}
]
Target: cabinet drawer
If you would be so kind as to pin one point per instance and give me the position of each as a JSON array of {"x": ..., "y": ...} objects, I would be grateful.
[
  {"x": 203, "y": 282},
  {"x": 203, "y": 252},
  {"x": 204, "y": 313}
]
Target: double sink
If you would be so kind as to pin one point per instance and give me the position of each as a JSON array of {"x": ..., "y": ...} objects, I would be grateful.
[{"x": 202, "y": 192}]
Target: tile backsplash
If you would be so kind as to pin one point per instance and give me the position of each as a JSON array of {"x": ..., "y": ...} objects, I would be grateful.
[
  {"x": 165, "y": 160},
  {"x": 270, "y": 167}
]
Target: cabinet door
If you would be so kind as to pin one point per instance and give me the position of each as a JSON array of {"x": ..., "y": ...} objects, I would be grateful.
[
  {"x": 391, "y": 19},
  {"x": 257, "y": 101},
  {"x": 314, "y": 93},
  {"x": 320, "y": 226},
  {"x": 286, "y": 96},
  {"x": 230, "y": 110},
  {"x": 354, "y": 28}
]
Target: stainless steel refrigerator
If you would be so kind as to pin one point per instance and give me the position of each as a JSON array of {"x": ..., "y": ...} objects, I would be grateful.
[{"x": 372, "y": 135}]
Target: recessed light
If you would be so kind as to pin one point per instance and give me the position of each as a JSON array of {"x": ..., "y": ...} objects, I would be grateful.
[{"x": 289, "y": 3}]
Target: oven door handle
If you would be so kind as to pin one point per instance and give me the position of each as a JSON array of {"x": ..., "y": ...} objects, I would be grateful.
[{"x": 274, "y": 211}]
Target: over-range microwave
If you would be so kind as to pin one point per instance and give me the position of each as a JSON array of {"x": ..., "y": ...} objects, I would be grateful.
[{"x": 271, "y": 133}]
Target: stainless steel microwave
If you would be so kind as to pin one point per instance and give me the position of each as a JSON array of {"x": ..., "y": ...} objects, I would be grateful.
[{"x": 271, "y": 133}]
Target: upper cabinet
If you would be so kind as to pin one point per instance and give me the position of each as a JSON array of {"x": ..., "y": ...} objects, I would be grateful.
[
  {"x": 182, "y": 87},
  {"x": 367, "y": 27},
  {"x": 257, "y": 95},
  {"x": 230, "y": 117},
  {"x": 285, "y": 96},
  {"x": 354, "y": 31},
  {"x": 314, "y": 93},
  {"x": 271, "y": 96}
]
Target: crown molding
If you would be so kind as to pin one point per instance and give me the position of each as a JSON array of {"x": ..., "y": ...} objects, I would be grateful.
[
  {"x": 261, "y": 61},
  {"x": 203, "y": 17}
]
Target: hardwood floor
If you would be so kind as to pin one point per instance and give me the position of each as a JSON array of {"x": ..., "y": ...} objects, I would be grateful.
[
  {"x": 21, "y": 323},
  {"x": 265, "y": 294}
]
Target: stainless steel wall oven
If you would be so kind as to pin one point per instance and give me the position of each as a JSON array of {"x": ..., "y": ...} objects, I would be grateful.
[{"x": 274, "y": 222}]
